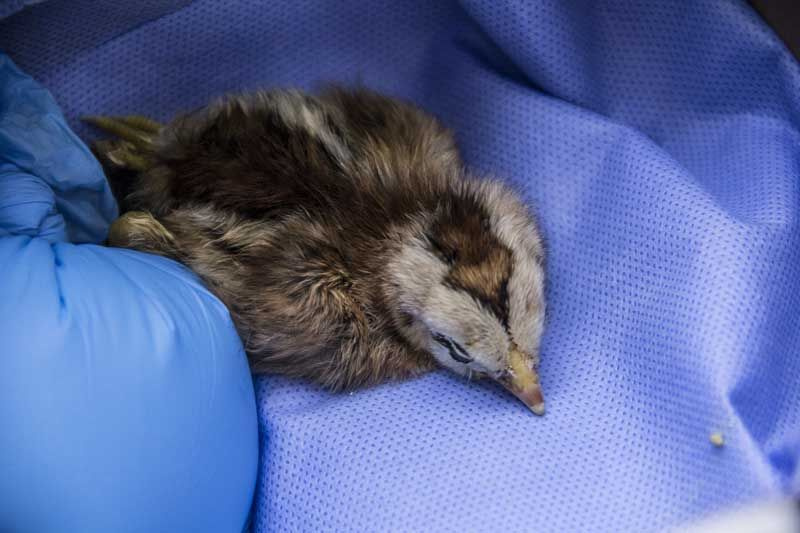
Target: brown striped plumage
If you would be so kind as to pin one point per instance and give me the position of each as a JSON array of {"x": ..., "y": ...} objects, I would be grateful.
[{"x": 343, "y": 233}]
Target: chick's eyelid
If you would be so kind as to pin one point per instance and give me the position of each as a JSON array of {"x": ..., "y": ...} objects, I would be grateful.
[
  {"x": 460, "y": 349},
  {"x": 457, "y": 352}
]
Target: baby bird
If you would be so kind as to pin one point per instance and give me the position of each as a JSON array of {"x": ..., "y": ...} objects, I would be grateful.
[{"x": 342, "y": 231}]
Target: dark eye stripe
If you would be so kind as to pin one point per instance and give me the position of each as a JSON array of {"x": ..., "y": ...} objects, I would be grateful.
[
  {"x": 449, "y": 256},
  {"x": 457, "y": 352},
  {"x": 460, "y": 349}
]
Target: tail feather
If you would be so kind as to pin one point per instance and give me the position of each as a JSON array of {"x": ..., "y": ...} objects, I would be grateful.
[
  {"x": 138, "y": 131},
  {"x": 121, "y": 154},
  {"x": 129, "y": 151},
  {"x": 142, "y": 123}
]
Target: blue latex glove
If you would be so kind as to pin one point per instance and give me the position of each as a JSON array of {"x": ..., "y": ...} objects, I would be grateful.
[
  {"x": 126, "y": 403},
  {"x": 50, "y": 184}
]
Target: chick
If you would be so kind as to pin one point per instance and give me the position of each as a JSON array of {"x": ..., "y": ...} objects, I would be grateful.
[{"x": 343, "y": 233}]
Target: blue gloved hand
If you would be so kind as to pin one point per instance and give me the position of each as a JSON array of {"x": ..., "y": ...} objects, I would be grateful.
[{"x": 126, "y": 402}]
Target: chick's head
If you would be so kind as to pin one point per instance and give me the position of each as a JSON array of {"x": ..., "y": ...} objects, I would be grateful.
[{"x": 472, "y": 280}]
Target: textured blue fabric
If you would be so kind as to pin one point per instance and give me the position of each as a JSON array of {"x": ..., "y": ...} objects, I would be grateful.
[
  {"x": 659, "y": 144},
  {"x": 9, "y": 7},
  {"x": 126, "y": 403}
]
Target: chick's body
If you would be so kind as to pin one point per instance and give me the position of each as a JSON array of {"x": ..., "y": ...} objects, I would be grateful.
[{"x": 343, "y": 234}]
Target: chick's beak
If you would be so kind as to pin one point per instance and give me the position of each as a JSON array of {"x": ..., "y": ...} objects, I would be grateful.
[{"x": 523, "y": 381}]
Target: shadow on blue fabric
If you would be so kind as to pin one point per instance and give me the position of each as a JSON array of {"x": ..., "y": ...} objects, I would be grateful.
[{"x": 659, "y": 146}]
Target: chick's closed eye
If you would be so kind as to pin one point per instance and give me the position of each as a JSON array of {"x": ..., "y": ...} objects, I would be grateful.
[{"x": 457, "y": 352}]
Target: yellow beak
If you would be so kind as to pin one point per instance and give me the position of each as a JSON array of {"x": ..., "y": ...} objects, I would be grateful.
[{"x": 523, "y": 381}]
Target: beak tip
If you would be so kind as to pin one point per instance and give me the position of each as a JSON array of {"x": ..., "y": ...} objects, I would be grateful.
[{"x": 523, "y": 382}]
